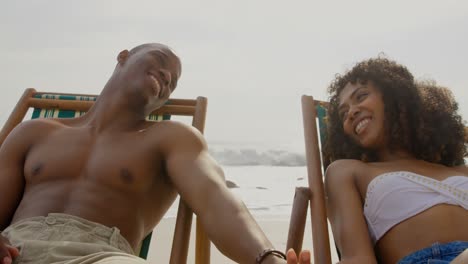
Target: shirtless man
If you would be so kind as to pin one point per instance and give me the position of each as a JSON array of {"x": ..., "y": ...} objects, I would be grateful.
[{"x": 106, "y": 189}]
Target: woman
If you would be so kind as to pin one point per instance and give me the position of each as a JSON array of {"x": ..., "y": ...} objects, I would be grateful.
[{"x": 397, "y": 185}]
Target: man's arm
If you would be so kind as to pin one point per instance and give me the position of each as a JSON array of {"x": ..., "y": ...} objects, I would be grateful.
[
  {"x": 200, "y": 182},
  {"x": 345, "y": 212},
  {"x": 12, "y": 156}
]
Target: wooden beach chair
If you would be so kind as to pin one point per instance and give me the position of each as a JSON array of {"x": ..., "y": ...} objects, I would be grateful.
[
  {"x": 312, "y": 112},
  {"x": 71, "y": 105}
]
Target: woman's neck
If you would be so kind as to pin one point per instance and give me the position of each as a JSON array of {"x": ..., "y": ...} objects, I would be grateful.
[{"x": 392, "y": 155}]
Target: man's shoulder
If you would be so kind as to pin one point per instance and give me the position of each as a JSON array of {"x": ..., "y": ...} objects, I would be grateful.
[
  {"x": 176, "y": 133},
  {"x": 36, "y": 126},
  {"x": 29, "y": 132},
  {"x": 173, "y": 128}
]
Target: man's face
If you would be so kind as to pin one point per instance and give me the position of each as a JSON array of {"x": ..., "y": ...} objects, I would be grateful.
[{"x": 153, "y": 71}]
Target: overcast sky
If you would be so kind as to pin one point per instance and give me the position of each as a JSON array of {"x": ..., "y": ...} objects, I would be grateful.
[{"x": 253, "y": 59}]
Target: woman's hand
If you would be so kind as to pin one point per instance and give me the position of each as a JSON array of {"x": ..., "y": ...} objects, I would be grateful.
[{"x": 304, "y": 257}]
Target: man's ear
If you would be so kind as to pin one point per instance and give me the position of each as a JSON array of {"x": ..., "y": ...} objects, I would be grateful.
[{"x": 122, "y": 57}]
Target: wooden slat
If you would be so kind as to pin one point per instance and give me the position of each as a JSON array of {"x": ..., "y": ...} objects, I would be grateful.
[
  {"x": 298, "y": 219},
  {"x": 181, "y": 110},
  {"x": 17, "y": 114},
  {"x": 172, "y": 101},
  {"x": 179, "y": 250},
  {"x": 202, "y": 245},
  {"x": 69, "y": 94},
  {"x": 199, "y": 117},
  {"x": 466, "y": 134},
  {"x": 320, "y": 237},
  {"x": 180, "y": 242}
]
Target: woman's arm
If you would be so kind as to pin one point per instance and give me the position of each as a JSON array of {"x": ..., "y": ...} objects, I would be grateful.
[{"x": 345, "y": 211}]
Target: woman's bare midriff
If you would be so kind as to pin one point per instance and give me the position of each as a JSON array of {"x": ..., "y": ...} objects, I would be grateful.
[{"x": 447, "y": 221}]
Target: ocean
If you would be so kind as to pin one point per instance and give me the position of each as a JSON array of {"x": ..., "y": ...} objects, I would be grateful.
[
  {"x": 264, "y": 178},
  {"x": 267, "y": 191}
]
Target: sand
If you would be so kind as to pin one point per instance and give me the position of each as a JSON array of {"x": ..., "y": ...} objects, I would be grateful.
[{"x": 276, "y": 230}]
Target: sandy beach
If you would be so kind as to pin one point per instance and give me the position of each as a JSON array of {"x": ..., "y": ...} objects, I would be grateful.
[{"x": 275, "y": 228}]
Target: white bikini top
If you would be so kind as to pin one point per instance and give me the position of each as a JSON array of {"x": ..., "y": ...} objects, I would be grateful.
[{"x": 396, "y": 196}]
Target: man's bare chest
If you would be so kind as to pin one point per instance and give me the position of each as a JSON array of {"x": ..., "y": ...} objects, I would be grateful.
[{"x": 125, "y": 160}]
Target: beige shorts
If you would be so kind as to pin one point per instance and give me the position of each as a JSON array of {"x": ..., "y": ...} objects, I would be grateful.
[{"x": 67, "y": 239}]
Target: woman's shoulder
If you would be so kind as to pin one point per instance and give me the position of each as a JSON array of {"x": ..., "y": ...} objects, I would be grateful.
[
  {"x": 345, "y": 166},
  {"x": 346, "y": 169},
  {"x": 353, "y": 172},
  {"x": 462, "y": 168}
]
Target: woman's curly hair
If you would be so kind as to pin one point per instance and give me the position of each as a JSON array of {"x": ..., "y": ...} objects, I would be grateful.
[
  {"x": 421, "y": 118},
  {"x": 443, "y": 131}
]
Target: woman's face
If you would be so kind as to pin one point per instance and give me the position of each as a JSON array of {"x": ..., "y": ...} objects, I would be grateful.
[{"x": 361, "y": 110}]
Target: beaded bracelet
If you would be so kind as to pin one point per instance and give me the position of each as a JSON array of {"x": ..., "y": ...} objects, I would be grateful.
[{"x": 268, "y": 252}]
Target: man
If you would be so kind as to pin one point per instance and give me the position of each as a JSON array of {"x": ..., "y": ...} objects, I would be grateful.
[{"x": 93, "y": 199}]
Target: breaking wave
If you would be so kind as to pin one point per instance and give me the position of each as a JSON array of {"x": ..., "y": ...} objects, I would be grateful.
[{"x": 257, "y": 157}]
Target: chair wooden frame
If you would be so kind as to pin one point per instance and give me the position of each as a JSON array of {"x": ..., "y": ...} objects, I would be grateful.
[
  {"x": 182, "y": 107},
  {"x": 314, "y": 193}
]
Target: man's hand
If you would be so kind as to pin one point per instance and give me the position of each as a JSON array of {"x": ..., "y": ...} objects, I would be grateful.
[
  {"x": 7, "y": 251},
  {"x": 304, "y": 257}
]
